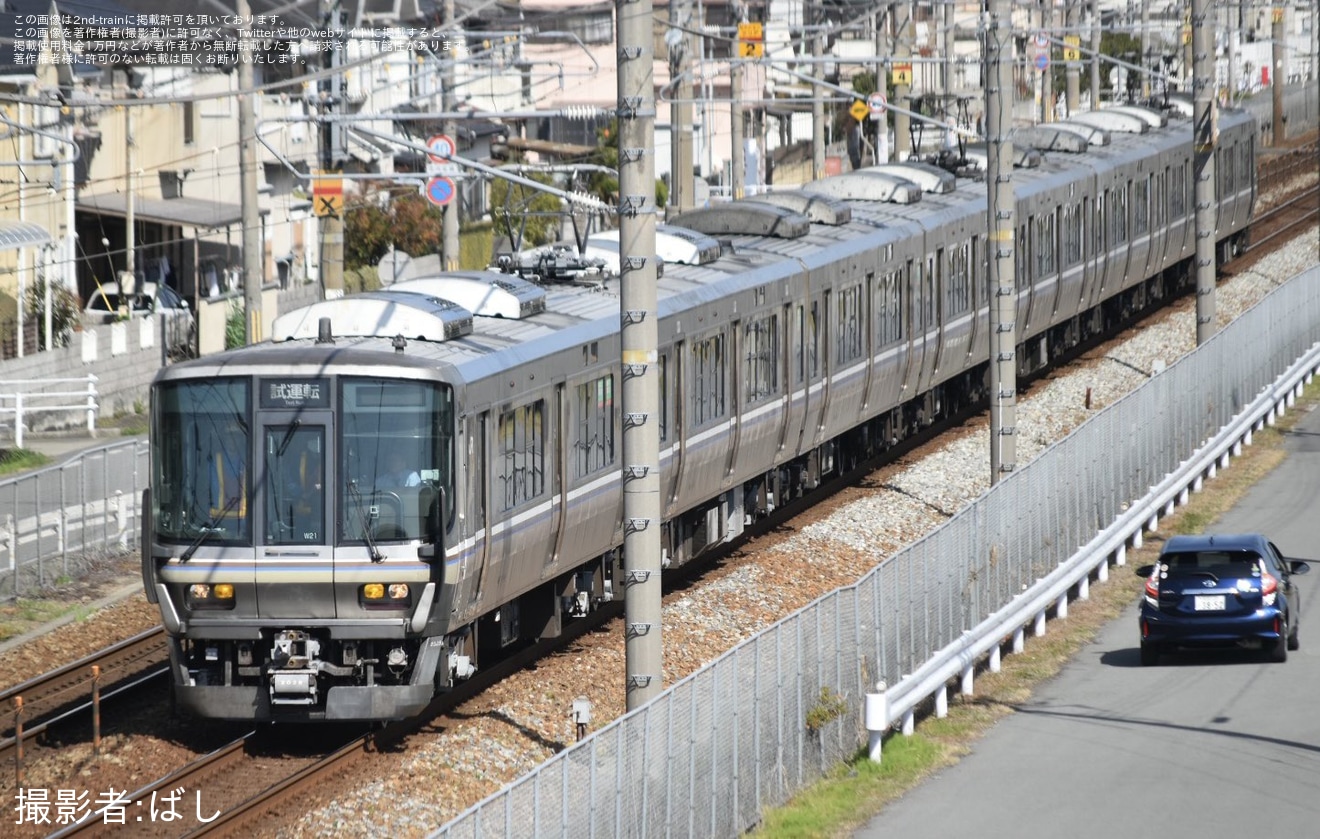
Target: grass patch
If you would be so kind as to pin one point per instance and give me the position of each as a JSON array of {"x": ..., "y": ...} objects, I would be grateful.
[
  {"x": 19, "y": 460},
  {"x": 23, "y": 615},
  {"x": 854, "y": 793}
]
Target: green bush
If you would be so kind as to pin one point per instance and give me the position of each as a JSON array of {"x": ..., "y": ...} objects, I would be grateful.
[
  {"x": 64, "y": 312},
  {"x": 235, "y": 326}
]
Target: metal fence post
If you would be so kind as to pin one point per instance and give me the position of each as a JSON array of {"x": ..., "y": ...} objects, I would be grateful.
[
  {"x": 18, "y": 419},
  {"x": 91, "y": 402}
]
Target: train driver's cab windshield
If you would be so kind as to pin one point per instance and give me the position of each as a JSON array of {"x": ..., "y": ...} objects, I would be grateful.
[
  {"x": 201, "y": 478},
  {"x": 397, "y": 463}
]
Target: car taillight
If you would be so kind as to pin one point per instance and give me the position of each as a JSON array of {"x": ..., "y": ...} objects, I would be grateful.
[
  {"x": 1269, "y": 588},
  {"x": 1153, "y": 590}
]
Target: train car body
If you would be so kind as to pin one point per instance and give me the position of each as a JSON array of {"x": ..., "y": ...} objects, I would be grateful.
[{"x": 395, "y": 488}]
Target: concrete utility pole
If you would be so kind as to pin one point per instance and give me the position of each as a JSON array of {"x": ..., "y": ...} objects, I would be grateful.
[
  {"x": 1205, "y": 135},
  {"x": 882, "y": 123},
  {"x": 1277, "y": 75},
  {"x": 128, "y": 279},
  {"x": 1095, "y": 55},
  {"x": 903, "y": 37},
  {"x": 449, "y": 244},
  {"x": 1047, "y": 75},
  {"x": 1145, "y": 52},
  {"x": 1073, "y": 71},
  {"x": 639, "y": 316},
  {"x": 737, "y": 162},
  {"x": 1000, "y": 249},
  {"x": 813, "y": 20},
  {"x": 253, "y": 275},
  {"x": 682, "y": 190},
  {"x": 332, "y": 151}
]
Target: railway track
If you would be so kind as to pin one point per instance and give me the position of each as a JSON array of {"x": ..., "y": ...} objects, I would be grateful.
[{"x": 74, "y": 692}]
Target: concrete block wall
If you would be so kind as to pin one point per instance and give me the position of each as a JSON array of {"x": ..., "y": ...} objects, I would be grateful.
[{"x": 124, "y": 356}]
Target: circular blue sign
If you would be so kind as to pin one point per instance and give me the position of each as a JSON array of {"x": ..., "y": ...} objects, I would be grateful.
[
  {"x": 1042, "y": 61},
  {"x": 439, "y": 191}
]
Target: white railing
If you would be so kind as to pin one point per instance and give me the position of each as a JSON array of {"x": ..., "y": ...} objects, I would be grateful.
[{"x": 21, "y": 397}]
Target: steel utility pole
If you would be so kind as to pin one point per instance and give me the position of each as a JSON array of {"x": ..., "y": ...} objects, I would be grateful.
[
  {"x": 449, "y": 244},
  {"x": 640, "y": 368},
  {"x": 1001, "y": 211},
  {"x": 247, "y": 178},
  {"x": 1205, "y": 135},
  {"x": 1276, "y": 74}
]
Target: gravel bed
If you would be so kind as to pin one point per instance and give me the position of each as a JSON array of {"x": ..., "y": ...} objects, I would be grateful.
[{"x": 518, "y": 724}]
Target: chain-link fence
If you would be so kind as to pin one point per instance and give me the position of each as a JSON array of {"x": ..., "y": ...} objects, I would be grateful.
[
  {"x": 53, "y": 518},
  {"x": 707, "y": 756}
]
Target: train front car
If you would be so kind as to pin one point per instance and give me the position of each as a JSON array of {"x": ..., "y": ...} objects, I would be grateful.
[{"x": 299, "y": 499}]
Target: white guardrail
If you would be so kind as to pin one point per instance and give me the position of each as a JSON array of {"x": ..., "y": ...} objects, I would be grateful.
[
  {"x": 898, "y": 703},
  {"x": 21, "y": 397}
]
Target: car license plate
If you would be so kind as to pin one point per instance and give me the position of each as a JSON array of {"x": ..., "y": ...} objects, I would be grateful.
[{"x": 1209, "y": 602}]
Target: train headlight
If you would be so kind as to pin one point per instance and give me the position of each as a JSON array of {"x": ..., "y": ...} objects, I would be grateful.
[
  {"x": 384, "y": 595},
  {"x": 207, "y": 596}
]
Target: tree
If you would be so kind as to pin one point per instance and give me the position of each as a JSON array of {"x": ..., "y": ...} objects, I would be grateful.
[{"x": 390, "y": 217}]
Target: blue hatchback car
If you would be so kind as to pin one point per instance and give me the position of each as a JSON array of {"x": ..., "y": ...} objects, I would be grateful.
[{"x": 1221, "y": 590}]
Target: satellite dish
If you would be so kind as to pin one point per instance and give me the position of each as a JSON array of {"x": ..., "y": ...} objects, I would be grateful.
[{"x": 392, "y": 266}]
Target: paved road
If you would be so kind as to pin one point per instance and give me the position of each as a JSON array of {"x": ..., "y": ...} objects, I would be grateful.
[{"x": 1209, "y": 745}]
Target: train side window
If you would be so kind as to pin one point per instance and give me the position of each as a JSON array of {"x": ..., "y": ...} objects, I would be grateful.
[
  {"x": 849, "y": 340},
  {"x": 889, "y": 309},
  {"x": 1118, "y": 216},
  {"x": 709, "y": 373},
  {"x": 1178, "y": 191},
  {"x": 808, "y": 343},
  {"x": 1072, "y": 235},
  {"x": 761, "y": 363},
  {"x": 521, "y": 471},
  {"x": 596, "y": 422},
  {"x": 1141, "y": 206}
]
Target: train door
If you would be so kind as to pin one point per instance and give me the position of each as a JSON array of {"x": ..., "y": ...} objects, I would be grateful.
[
  {"x": 939, "y": 279},
  {"x": 296, "y": 473},
  {"x": 479, "y": 503},
  {"x": 737, "y": 401},
  {"x": 790, "y": 411},
  {"x": 681, "y": 375},
  {"x": 823, "y": 336},
  {"x": 912, "y": 319},
  {"x": 559, "y": 477}
]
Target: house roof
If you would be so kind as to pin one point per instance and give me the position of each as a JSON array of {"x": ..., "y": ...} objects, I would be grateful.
[
  {"x": 21, "y": 234},
  {"x": 187, "y": 212}
]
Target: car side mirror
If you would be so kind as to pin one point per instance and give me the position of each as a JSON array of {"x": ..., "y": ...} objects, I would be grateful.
[
  {"x": 1298, "y": 566},
  {"x": 1145, "y": 570}
]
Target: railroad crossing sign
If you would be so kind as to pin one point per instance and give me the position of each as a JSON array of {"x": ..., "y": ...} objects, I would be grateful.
[
  {"x": 442, "y": 147},
  {"x": 439, "y": 191},
  {"x": 901, "y": 73},
  {"x": 859, "y": 110},
  {"x": 328, "y": 196},
  {"x": 877, "y": 105},
  {"x": 751, "y": 40}
]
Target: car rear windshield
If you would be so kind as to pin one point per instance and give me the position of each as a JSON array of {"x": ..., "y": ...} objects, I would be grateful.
[{"x": 1220, "y": 563}]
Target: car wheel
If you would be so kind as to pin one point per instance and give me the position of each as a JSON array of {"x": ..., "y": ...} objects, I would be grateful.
[
  {"x": 1150, "y": 655},
  {"x": 1294, "y": 642},
  {"x": 1279, "y": 653}
]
